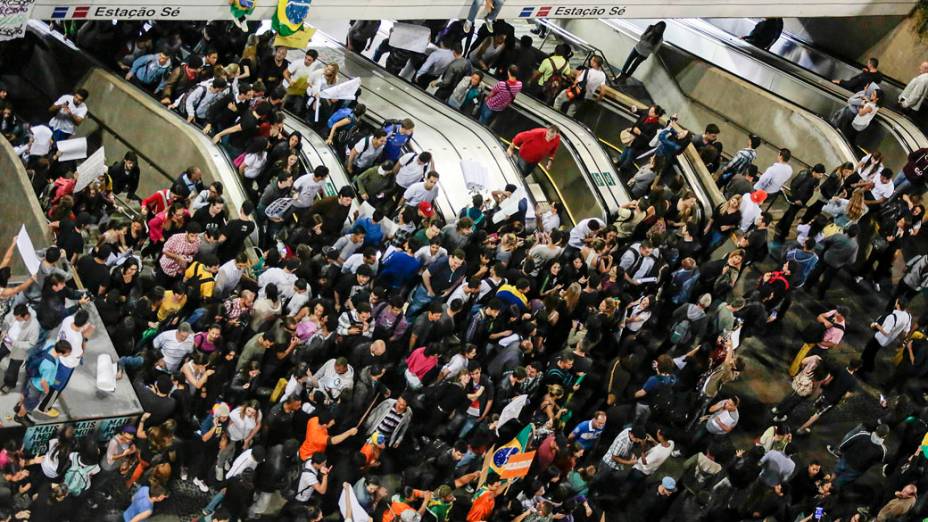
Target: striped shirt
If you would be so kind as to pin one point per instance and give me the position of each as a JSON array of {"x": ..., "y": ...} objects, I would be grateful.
[
  {"x": 621, "y": 447},
  {"x": 503, "y": 94},
  {"x": 389, "y": 423}
]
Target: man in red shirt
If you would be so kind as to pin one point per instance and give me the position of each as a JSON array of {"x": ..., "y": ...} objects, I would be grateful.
[{"x": 534, "y": 145}]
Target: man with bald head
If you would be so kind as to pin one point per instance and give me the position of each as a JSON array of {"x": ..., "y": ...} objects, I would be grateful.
[
  {"x": 366, "y": 354},
  {"x": 911, "y": 98}
]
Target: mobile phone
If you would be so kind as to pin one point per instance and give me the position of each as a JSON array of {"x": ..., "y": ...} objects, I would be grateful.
[{"x": 819, "y": 513}]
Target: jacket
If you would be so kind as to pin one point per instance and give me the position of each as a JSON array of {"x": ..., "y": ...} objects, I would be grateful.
[
  {"x": 148, "y": 71},
  {"x": 802, "y": 187},
  {"x": 916, "y": 272},
  {"x": 914, "y": 93},
  {"x": 377, "y": 415},
  {"x": 839, "y": 250},
  {"x": 861, "y": 452},
  {"x": 26, "y": 338}
]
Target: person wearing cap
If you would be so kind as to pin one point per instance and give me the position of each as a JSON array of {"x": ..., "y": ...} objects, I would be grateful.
[
  {"x": 535, "y": 146},
  {"x": 801, "y": 190},
  {"x": 750, "y": 208},
  {"x": 655, "y": 502},
  {"x": 119, "y": 448},
  {"x": 334, "y": 211},
  {"x": 422, "y": 192},
  {"x": 174, "y": 345}
]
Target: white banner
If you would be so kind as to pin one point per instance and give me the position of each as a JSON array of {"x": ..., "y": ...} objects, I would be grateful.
[
  {"x": 393, "y": 10},
  {"x": 27, "y": 251},
  {"x": 90, "y": 169},
  {"x": 13, "y": 17}
]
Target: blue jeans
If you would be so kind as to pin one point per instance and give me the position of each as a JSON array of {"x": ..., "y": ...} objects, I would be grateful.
[
  {"x": 486, "y": 114},
  {"x": 846, "y": 474},
  {"x": 477, "y": 4},
  {"x": 131, "y": 362},
  {"x": 469, "y": 423},
  {"x": 417, "y": 301}
]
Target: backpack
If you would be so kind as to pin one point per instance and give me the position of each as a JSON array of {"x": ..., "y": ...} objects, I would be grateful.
[
  {"x": 35, "y": 357},
  {"x": 636, "y": 264},
  {"x": 682, "y": 284},
  {"x": 279, "y": 208},
  {"x": 890, "y": 212},
  {"x": 77, "y": 478},
  {"x": 681, "y": 331},
  {"x": 181, "y": 106},
  {"x": 339, "y": 115},
  {"x": 557, "y": 82},
  {"x": 294, "y": 474}
]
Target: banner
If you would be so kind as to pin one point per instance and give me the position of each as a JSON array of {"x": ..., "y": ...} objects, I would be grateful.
[
  {"x": 13, "y": 17},
  {"x": 92, "y": 168},
  {"x": 27, "y": 251},
  {"x": 507, "y": 453}
]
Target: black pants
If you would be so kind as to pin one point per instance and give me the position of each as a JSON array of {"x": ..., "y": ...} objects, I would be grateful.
[
  {"x": 631, "y": 64},
  {"x": 869, "y": 356},
  {"x": 12, "y": 371},
  {"x": 825, "y": 273},
  {"x": 786, "y": 222}
]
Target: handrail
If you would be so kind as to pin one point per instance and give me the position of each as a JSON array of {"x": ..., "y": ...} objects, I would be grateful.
[
  {"x": 551, "y": 181},
  {"x": 590, "y": 48}
]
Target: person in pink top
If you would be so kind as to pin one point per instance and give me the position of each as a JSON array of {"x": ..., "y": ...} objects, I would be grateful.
[
  {"x": 177, "y": 253},
  {"x": 501, "y": 96},
  {"x": 419, "y": 363}
]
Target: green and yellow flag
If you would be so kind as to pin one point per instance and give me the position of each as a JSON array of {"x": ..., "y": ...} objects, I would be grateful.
[{"x": 289, "y": 16}]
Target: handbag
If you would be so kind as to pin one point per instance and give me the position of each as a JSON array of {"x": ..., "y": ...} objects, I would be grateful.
[
  {"x": 626, "y": 137},
  {"x": 237, "y": 162},
  {"x": 803, "y": 384}
]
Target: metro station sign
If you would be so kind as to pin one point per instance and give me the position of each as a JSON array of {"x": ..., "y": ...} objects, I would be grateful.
[{"x": 438, "y": 9}]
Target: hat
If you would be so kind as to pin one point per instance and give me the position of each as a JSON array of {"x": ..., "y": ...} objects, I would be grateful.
[
  {"x": 426, "y": 208},
  {"x": 669, "y": 483},
  {"x": 221, "y": 409},
  {"x": 758, "y": 196}
]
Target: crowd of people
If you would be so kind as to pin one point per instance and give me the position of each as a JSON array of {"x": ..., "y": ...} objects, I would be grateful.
[{"x": 375, "y": 356}]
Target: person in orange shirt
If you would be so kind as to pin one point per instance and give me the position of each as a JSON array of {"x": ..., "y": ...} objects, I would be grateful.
[
  {"x": 317, "y": 435},
  {"x": 372, "y": 449},
  {"x": 484, "y": 501},
  {"x": 401, "y": 511}
]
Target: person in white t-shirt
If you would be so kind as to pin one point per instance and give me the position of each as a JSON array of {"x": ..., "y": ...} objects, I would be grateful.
[
  {"x": 308, "y": 186},
  {"x": 652, "y": 459},
  {"x": 365, "y": 152},
  {"x": 74, "y": 329},
  {"x": 422, "y": 191},
  {"x": 297, "y": 80},
  {"x": 68, "y": 112},
  {"x": 314, "y": 478},
  {"x": 591, "y": 80},
  {"x": 894, "y": 326},
  {"x": 881, "y": 188},
  {"x": 411, "y": 168}
]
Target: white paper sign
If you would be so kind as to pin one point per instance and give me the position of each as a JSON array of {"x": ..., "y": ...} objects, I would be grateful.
[
  {"x": 27, "y": 251},
  {"x": 509, "y": 206},
  {"x": 15, "y": 14},
  {"x": 90, "y": 169},
  {"x": 511, "y": 411},
  {"x": 41, "y": 140},
  {"x": 350, "y": 508},
  {"x": 342, "y": 91},
  {"x": 72, "y": 149},
  {"x": 410, "y": 37},
  {"x": 475, "y": 175}
]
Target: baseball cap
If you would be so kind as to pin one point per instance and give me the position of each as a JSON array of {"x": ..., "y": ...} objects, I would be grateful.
[
  {"x": 426, "y": 208},
  {"x": 221, "y": 409},
  {"x": 669, "y": 483},
  {"x": 758, "y": 196}
]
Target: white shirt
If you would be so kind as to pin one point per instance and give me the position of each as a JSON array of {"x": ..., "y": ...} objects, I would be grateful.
[
  {"x": 882, "y": 190},
  {"x": 417, "y": 193},
  {"x": 367, "y": 152},
  {"x": 455, "y": 366},
  {"x": 299, "y": 71},
  {"x": 75, "y": 339},
  {"x": 41, "y": 140},
  {"x": 240, "y": 425},
  {"x": 355, "y": 261},
  {"x": 861, "y": 122},
  {"x": 281, "y": 278},
  {"x": 896, "y": 323},
  {"x": 308, "y": 478},
  {"x": 773, "y": 179},
  {"x": 914, "y": 93},
  {"x": 411, "y": 171},
  {"x": 227, "y": 277},
  {"x": 579, "y": 232},
  {"x": 655, "y": 457},
  {"x": 749, "y": 212},
  {"x": 254, "y": 164},
  {"x": 594, "y": 79},
  {"x": 308, "y": 189},
  {"x": 61, "y": 121},
  {"x": 550, "y": 221},
  {"x": 298, "y": 300},
  {"x": 729, "y": 418},
  {"x": 173, "y": 350},
  {"x": 241, "y": 464},
  {"x": 424, "y": 255}
]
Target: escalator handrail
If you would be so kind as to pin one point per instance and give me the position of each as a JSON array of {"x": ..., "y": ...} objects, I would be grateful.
[
  {"x": 590, "y": 48},
  {"x": 908, "y": 134}
]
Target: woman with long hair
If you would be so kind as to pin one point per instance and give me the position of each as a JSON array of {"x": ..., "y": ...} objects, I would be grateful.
[{"x": 649, "y": 43}]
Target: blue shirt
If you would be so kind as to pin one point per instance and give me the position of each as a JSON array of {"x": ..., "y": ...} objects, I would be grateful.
[
  {"x": 48, "y": 370},
  {"x": 655, "y": 382},
  {"x": 586, "y": 435},
  {"x": 398, "y": 269},
  {"x": 148, "y": 71},
  {"x": 140, "y": 504},
  {"x": 373, "y": 234},
  {"x": 396, "y": 140}
]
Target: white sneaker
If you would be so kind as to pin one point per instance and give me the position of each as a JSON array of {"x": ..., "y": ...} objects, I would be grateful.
[
  {"x": 468, "y": 26},
  {"x": 876, "y": 286},
  {"x": 183, "y": 474},
  {"x": 858, "y": 279},
  {"x": 201, "y": 485}
]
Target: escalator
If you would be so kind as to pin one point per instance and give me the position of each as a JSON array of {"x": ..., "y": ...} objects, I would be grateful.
[
  {"x": 613, "y": 114},
  {"x": 583, "y": 180},
  {"x": 439, "y": 129},
  {"x": 890, "y": 133},
  {"x": 798, "y": 51}
]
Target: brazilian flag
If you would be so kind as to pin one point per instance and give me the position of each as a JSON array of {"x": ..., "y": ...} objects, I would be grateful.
[{"x": 289, "y": 15}]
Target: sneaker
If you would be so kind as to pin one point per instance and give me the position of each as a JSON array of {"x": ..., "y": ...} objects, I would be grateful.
[
  {"x": 183, "y": 474},
  {"x": 201, "y": 485},
  {"x": 468, "y": 26},
  {"x": 804, "y": 431},
  {"x": 5, "y": 389},
  {"x": 240, "y": 23},
  {"x": 876, "y": 286},
  {"x": 24, "y": 420},
  {"x": 858, "y": 279},
  {"x": 52, "y": 412},
  {"x": 834, "y": 451},
  {"x": 780, "y": 418},
  {"x": 489, "y": 24},
  {"x": 676, "y": 453}
]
